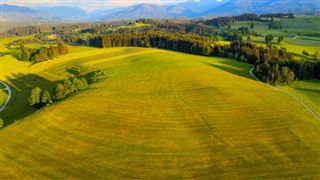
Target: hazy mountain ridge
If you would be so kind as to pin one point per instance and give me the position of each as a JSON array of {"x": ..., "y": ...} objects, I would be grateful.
[
  {"x": 19, "y": 9},
  {"x": 57, "y": 13},
  {"x": 140, "y": 11},
  {"x": 189, "y": 9},
  {"x": 236, "y": 7},
  {"x": 10, "y": 12},
  {"x": 69, "y": 12}
]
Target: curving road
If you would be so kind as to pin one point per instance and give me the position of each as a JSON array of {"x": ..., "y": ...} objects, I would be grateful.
[
  {"x": 295, "y": 98},
  {"x": 9, "y": 95}
]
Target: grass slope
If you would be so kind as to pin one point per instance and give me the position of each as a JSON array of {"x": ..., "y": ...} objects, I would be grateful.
[
  {"x": 308, "y": 91},
  {"x": 3, "y": 97},
  {"x": 163, "y": 115}
]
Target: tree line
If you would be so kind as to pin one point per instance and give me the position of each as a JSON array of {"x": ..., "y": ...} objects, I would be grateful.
[
  {"x": 229, "y": 20},
  {"x": 40, "y": 98},
  {"x": 25, "y": 31},
  {"x": 83, "y": 76},
  {"x": 42, "y": 54},
  {"x": 277, "y": 15},
  {"x": 188, "y": 43},
  {"x": 272, "y": 65}
]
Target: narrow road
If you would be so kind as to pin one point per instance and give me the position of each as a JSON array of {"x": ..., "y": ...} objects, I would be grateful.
[
  {"x": 9, "y": 95},
  {"x": 295, "y": 98}
]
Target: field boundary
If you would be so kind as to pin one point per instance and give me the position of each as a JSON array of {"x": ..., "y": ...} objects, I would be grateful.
[
  {"x": 294, "y": 97},
  {"x": 9, "y": 95}
]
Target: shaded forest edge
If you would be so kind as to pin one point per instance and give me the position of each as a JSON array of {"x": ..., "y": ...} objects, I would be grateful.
[
  {"x": 42, "y": 54},
  {"x": 34, "y": 97},
  {"x": 83, "y": 77}
]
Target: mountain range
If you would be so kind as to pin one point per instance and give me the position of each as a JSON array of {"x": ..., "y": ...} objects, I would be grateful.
[
  {"x": 236, "y": 7},
  {"x": 189, "y": 9}
]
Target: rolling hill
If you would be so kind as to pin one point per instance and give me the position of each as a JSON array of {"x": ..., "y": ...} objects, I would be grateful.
[{"x": 158, "y": 115}]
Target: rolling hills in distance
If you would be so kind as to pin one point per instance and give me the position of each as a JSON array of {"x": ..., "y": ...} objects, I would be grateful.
[{"x": 189, "y": 9}]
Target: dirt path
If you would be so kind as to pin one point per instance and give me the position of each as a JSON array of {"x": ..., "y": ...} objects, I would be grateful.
[
  {"x": 295, "y": 98},
  {"x": 9, "y": 95}
]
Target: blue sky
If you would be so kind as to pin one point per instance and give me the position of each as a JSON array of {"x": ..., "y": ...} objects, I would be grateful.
[{"x": 90, "y": 4}]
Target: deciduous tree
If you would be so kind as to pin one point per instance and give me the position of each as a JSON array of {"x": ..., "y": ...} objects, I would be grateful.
[
  {"x": 269, "y": 38},
  {"x": 317, "y": 53},
  {"x": 35, "y": 96},
  {"x": 280, "y": 39},
  {"x": 59, "y": 91},
  {"x": 45, "y": 97}
]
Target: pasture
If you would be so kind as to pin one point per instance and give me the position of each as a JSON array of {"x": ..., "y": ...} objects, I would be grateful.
[
  {"x": 3, "y": 97},
  {"x": 308, "y": 91},
  {"x": 158, "y": 114},
  {"x": 300, "y": 33},
  {"x": 295, "y": 49}
]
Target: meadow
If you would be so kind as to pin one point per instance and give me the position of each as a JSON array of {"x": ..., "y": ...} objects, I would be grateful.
[
  {"x": 3, "y": 97},
  {"x": 158, "y": 114},
  {"x": 308, "y": 91},
  {"x": 300, "y": 33}
]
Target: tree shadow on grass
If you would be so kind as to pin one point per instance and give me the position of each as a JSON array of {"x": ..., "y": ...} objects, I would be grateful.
[
  {"x": 21, "y": 86},
  {"x": 231, "y": 67},
  {"x": 317, "y": 91}
]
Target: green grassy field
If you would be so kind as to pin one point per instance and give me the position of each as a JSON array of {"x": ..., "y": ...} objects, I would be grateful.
[
  {"x": 301, "y": 33},
  {"x": 2, "y": 86},
  {"x": 295, "y": 49},
  {"x": 135, "y": 25},
  {"x": 159, "y": 114},
  {"x": 308, "y": 91},
  {"x": 3, "y": 97},
  {"x": 305, "y": 25}
]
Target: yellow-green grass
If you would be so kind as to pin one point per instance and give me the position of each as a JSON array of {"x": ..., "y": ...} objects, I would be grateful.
[
  {"x": 301, "y": 33},
  {"x": 6, "y": 41},
  {"x": 85, "y": 35},
  {"x": 135, "y": 25},
  {"x": 223, "y": 42},
  {"x": 295, "y": 49},
  {"x": 308, "y": 91},
  {"x": 10, "y": 65},
  {"x": 37, "y": 46},
  {"x": 3, "y": 97},
  {"x": 51, "y": 37},
  {"x": 304, "y": 25},
  {"x": 163, "y": 115},
  {"x": 23, "y": 76}
]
